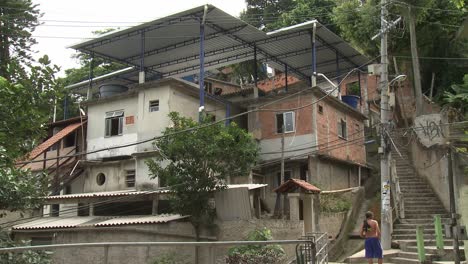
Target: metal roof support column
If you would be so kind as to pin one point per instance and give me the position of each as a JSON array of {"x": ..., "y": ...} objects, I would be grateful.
[
  {"x": 201, "y": 79},
  {"x": 90, "y": 76},
  {"x": 141, "y": 75},
  {"x": 255, "y": 73},
  {"x": 314, "y": 57},
  {"x": 338, "y": 73},
  {"x": 286, "y": 77}
]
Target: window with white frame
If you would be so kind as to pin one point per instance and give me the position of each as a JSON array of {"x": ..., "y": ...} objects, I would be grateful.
[
  {"x": 114, "y": 123},
  {"x": 342, "y": 130},
  {"x": 130, "y": 178},
  {"x": 154, "y": 106},
  {"x": 285, "y": 120}
]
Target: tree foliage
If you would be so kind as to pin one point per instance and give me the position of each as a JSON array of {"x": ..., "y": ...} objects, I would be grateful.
[
  {"x": 195, "y": 164},
  {"x": 256, "y": 254},
  {"x": 27, "y": 257},
  {"x": 457, "y": 97},
  {"x": 25, "y": 108},
  {"x": 18, "y": 19}
]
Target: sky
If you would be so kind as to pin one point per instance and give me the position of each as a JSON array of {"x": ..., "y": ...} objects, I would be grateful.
[{"x": 68, "y": 22}]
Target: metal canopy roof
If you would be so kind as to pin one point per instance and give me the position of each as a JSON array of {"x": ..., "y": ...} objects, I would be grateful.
[{"x": 172, "y": 46}]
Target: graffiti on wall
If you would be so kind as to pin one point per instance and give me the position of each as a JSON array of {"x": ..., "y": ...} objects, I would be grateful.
[{"x": 431, "y": 130}]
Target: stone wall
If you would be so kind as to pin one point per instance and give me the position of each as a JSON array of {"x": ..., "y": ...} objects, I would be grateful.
[{"x": 331, "y": 223}]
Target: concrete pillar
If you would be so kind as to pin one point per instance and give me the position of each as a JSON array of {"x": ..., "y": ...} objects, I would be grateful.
[
  {"x": 154, "y": 209},
  {"x": 311, "y": 213},
  {"x": 91, "y": 209},
  {"x": 294, "y": 206}
]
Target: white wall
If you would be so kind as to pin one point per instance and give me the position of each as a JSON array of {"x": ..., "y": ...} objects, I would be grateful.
[{"x": 146, "y": 126}]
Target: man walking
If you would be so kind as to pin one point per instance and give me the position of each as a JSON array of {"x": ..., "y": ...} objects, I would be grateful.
[{"x": 371, "y": 231}]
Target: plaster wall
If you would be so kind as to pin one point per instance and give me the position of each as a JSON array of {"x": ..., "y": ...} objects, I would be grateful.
[
  {"x": 114, "y": 172},
  {"x": 96, "y": 138},
  {"x": 332, "y": 175}
]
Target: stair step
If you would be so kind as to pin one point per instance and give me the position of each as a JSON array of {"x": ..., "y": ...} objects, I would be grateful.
[
  {"x": 403, "y": 260},
  {"x": 413, "y": 255},
  {"x": 433, "y": 249}
]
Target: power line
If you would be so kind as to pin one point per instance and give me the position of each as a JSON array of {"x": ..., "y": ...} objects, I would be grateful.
[{"x": 434, "y": 58}]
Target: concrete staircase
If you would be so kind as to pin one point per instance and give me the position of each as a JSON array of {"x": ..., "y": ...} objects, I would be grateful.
[{"x": 421, "y": 204}]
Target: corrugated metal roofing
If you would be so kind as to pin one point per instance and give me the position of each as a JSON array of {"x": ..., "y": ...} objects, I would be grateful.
[
  {"x": 106, "y": 194},
  {"x": 95, "y": 221},
  {"x": 172, "y": 45},
  {"x": 56, "y": 222},
  {"x": 139, "y": 220}
]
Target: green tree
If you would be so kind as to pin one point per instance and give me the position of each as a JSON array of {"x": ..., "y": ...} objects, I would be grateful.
[
  {"x": 18, "y": 19},
  {"x": 25, "y": 108},
  {"x": 457, "y": 98},
  {"x": 27, "y": 257},
  {"x": 194, "y": 164}
]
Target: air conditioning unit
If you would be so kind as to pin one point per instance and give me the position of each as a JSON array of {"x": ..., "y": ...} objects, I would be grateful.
[{"x": 374, "y": 69}]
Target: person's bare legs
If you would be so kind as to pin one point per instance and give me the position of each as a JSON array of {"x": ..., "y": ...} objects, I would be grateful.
[
  {"x": 370, "y": 261},
  {"x": 380, "y": 261}
]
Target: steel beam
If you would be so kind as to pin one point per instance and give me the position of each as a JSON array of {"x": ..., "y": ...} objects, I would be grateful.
[
  {"x": 245, "y": 55},
  {"x": 201, "y": 78},
  {"x": 195, "y": 57},
  {"x": 323, "y": 42},
  {"x": 259, "y": 50},
  {"x": 118, "y": 60},
  {"x": 184, "y": 43},
  {"x": 324, "y": 63}
]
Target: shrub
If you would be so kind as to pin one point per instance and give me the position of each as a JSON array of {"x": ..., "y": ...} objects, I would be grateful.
[{"x": 256, "y": 254}]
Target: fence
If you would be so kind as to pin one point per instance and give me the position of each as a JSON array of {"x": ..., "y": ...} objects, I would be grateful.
[{"x": 308, "y": 246}]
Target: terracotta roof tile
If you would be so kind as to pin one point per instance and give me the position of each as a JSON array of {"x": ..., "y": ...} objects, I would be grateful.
[
  {"x": 51, "y": 141},
  {"x": 293, "y": 184}
]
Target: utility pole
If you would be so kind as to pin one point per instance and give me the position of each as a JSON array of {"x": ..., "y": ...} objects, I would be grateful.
[
  {"x": 453, "y": 213},
  {"x": 415, "y": 60},
  {"x": 278, "y": 207},
  {"x": 384, "y": 118}
]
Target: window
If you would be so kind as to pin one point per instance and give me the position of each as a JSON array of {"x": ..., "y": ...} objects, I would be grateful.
[
  {"x": 154, "y": 106},
  {"x": 114, "y": 123},
  {"x": 130, "y": 178},
  {"x": 100, "y": 179},
  {"x": 69, "y": 141},
  {"x": 285, "y": 120},
  {"x": 320, "y": 109},
  {"x": 342, "y": 131}
]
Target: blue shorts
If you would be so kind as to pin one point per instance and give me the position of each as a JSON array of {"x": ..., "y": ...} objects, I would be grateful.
[{"x": 373, "y": 248}]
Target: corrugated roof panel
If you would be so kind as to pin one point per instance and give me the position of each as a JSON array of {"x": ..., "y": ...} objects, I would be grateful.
[
  {"x": 138, "y": 220},
  {"x": 105, "y": 194},
  {"x": 56, "y": 222}
]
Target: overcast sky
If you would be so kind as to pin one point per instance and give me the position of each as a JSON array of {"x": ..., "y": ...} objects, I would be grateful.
[{"x": 68, "y": 22}]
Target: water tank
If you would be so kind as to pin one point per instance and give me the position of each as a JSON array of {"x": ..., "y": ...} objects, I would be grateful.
[{"x": 107, "y": 90}]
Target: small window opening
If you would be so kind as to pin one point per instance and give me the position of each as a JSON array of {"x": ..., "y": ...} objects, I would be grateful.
[
  {"x": 320, "y": 109},
  {"x": 100, "y": 179},
  {"x": 342, "y": 130},
  {"x": 114, "y": 123},
  {"x": 70, "y": 140},
  {"x": 154, "y": 106},
  {"x": 285, "y": 121},
  {"x": 130, "y": 178}
]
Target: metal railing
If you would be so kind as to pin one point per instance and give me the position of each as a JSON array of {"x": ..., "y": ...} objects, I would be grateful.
[
  {"x": 320, "y": 251},
  {"x": 306, "y": 244},
  {"x": 398, "y": 201}
]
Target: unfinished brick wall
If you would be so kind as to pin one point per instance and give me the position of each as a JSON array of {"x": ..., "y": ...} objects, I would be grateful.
[
  {"x": 303, "y": 117},
  {"x": 349, "y": 148}
]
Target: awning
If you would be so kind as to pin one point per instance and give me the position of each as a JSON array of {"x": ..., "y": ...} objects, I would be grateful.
[
  {"x": 170, "y": 46},
  {"x": 293, "y": 185}
]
